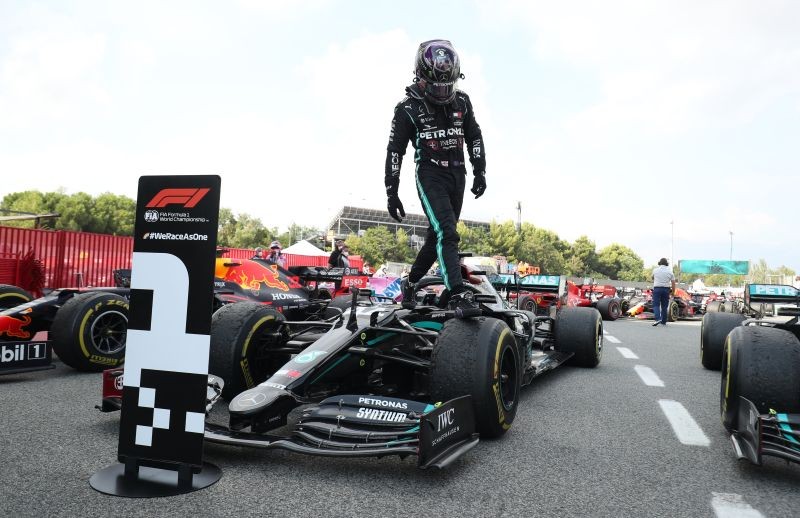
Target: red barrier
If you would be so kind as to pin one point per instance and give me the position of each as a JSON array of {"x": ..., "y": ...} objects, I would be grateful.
[
  {"x": 71, "y": 258},
  {"x": 84, "y": 259}
]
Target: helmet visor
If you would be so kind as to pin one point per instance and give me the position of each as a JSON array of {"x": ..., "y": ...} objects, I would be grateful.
[{"x": 442, "y": 92}]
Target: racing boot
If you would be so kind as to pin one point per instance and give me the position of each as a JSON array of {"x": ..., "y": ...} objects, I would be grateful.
[
  {"x": 464, "y": 305},
  {"x": 409, "y": 292}
]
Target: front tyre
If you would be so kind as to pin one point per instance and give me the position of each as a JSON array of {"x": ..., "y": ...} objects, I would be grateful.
[
  {"x": 243, "y": 338},
  {"x": 90, "y": 330},
  {"x": 761, "y": 364},
  {"x": 479, "y": 357},
  {"x": 609, "y": 308}
]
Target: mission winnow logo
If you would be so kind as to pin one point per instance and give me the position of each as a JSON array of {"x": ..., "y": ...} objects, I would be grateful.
[{"x": 169, "y": 236}]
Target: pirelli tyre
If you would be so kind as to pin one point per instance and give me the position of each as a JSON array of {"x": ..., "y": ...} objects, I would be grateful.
[
  {"x": 624, "y": 306},
  {"x": 89, "y": 331},
  {"x": 528, "y": 303},
  {"x": 713, "y": 331},
  {"x": 11, "y": 296},
  {"x": 244, "y": 336},
  {"x": 761, "y": 364},
  {"x": 610, "y": 308},
  {"x": 479, "y": 357},
  {"x": 580, "y": 331}
]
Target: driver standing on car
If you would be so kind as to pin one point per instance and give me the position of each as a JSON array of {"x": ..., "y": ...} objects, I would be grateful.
[{"x": 437, "y": 119}]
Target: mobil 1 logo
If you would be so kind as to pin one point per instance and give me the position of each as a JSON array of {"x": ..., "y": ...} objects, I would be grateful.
[
  {"x": 17, "y": 356},
  {"x": 166, "y": 358}
]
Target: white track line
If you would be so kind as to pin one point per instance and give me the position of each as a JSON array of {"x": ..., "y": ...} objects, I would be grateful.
[
  {"x": 685, "y": 427},
  {"x": 613, "y": 339},
  {"x": 627, "y": 353},
  {"x": 648, "y": 375},
  {"x": 731, "y": 505}
]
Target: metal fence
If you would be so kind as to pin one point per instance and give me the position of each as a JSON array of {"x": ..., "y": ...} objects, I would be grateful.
[
  {"x": 70, "y": 258},
  {"x": 80, "y": 259}
]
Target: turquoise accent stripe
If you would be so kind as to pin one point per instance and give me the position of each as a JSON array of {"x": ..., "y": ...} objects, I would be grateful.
[
  {"x": 436, "y": 228},
  {"x": 428, "y": 325},
  {"x": 326, "y": 371},
  {"x": 380, "y": 339},
  {"x": 784, "y": 419},
  {"x": 429, "y": 408},
  {"x": 417, "y": 150}
]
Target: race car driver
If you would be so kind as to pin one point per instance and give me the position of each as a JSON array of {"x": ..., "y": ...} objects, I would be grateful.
[{"x": 437, "y": 119}]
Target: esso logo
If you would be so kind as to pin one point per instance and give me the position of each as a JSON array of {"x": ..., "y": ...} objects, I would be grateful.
[
  {"x": 118, "y": 382},
  {"x": 354, "y": 282}
]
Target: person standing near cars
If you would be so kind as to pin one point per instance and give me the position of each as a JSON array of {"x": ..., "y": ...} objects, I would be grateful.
[
  {"x": 334, "y": 259},
  {"x": 275, "y": 255},
  {"x": 663, "y": 286},
  {"x": 438, "y": 120}
]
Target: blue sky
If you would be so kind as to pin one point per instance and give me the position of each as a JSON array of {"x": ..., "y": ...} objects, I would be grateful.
[{"x": 608, "y": 119}]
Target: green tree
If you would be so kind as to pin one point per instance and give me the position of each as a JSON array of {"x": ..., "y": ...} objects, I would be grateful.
[
  {"x": 474, "y": 239},
  {"x": 113, "y": 214},
  {"x": 542, "y": 248},
  {"x": 503, "y": 239},
  {"x": 621, "y": 263},
  {"x": 581, "y": 258},
  {"x": 242, "y": 231},
  {"x": 377, "y": 245}
]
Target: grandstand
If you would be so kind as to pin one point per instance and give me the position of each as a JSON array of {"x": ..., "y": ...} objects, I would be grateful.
[{"x": 356, "y": 220}]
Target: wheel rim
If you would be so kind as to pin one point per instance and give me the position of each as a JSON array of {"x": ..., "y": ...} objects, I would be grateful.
[
  {"x": 262, "y": 358},
  {"x": 109, "y": 331},
  {"x": 615, "y": 310},
  {"x": 508, "y": 379},
  {"x": 530, "y": 305}
]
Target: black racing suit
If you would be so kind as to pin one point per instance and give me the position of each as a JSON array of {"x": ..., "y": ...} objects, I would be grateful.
[{"x": 438, "y": 133}]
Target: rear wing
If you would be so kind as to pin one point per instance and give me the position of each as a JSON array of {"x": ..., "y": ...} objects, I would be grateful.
[
  {"x": 771, "y": 293},
  {"x": 540, "y": 283},
  {"x": 324, "y": 274}
]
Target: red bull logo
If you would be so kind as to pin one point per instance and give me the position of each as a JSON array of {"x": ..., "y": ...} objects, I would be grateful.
[
  {"x": 14, "y": 327},
  {"x": 268, "y": 276}
]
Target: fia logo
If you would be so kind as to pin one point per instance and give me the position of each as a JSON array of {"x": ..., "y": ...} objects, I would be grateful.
[
  {"x": 446, "y": 420},
  {"x": 151, "y": 216}
]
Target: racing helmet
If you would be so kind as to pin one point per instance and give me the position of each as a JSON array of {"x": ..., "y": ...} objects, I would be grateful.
[
  {"x": 437, "y": 64},
  {"x": 274, "y": 245}
]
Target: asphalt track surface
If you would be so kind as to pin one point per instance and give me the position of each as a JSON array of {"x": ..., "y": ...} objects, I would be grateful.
[{"x": 586, "y": 442}]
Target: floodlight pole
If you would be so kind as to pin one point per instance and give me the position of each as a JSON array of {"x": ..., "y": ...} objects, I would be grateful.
[
  {"x": 731, "y": 233},
  {"x": 672, "y": 245}
]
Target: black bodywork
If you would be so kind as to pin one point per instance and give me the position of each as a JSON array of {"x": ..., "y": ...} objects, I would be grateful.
[
  {"x": 771, "y": 432},
  {"x": 367, "y": 381}
]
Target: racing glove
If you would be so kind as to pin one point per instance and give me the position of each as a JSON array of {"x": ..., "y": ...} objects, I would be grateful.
[
  {"x": 394, "y": 205},
  {"x": 479, "y": 184}
]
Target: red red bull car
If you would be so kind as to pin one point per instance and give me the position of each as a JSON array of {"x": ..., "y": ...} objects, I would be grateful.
[{"x": 87, "y": 327}]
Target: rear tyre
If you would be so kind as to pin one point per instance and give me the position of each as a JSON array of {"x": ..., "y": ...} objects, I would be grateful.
[
  {"x": 713, "y": 331},
  {"x": 580, "y": 331},
  {"x": 624, "y": 306},
  {"x": 479, "y": 357},
  {"x": 527, "y": 303},
  {"x": 674, "y": 311},
  {"x": 90, "y": 330},
  {"x": 713, "y": 306},
  {"x": 609, "y": 309},
  {"x": 761, "y": 364},
  {"x": 11, "y": 296},
  {"x": 242, "y": 336}
]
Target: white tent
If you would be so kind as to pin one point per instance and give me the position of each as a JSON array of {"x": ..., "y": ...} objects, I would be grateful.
[{"x": 305, "y": 248}]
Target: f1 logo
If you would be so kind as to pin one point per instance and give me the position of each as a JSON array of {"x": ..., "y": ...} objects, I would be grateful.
[{"x": 186, "y": 197}]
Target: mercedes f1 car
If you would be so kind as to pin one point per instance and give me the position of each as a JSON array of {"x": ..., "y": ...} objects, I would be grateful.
[
  {"x": 383, "y": 380},
  {"x": 88, "y": 326},
  {"x": 760, "y": 365}
]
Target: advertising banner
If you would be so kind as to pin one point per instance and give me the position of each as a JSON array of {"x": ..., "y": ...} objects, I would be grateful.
[{"x": 715, "y": 267}]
